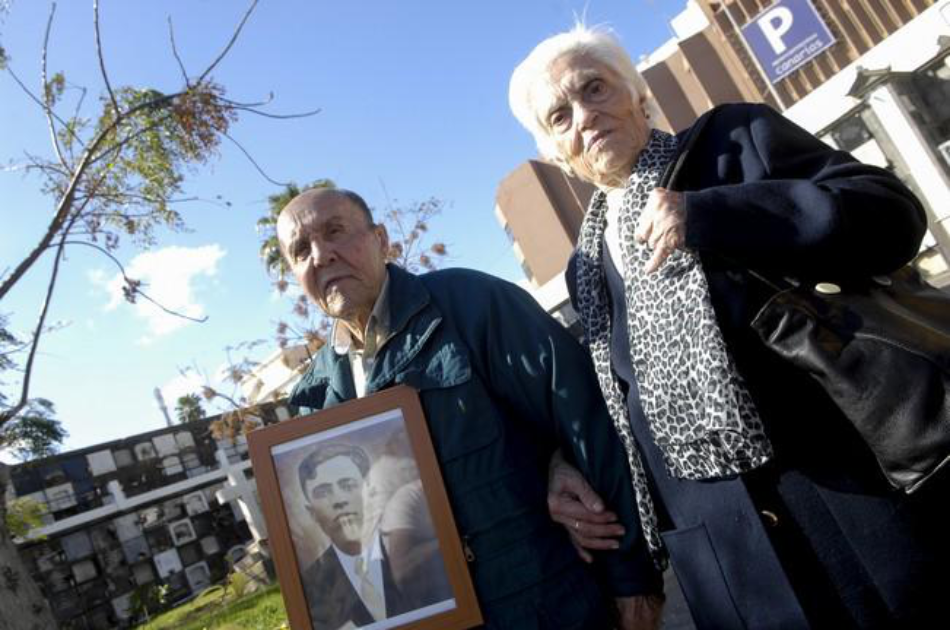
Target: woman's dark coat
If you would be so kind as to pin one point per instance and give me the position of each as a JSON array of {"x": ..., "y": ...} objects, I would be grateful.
[{"x": 816, "y": 538}]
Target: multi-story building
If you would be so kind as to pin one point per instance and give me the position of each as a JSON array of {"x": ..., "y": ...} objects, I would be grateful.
[
  {"x": 145, "y": 510},
  {"x": 868, "y": 76}
]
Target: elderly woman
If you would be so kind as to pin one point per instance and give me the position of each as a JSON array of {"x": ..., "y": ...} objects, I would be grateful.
[{"x": 770, "y": 509}]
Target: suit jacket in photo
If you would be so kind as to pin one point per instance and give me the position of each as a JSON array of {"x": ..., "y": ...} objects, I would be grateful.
[{"x": 333, "y": 601}]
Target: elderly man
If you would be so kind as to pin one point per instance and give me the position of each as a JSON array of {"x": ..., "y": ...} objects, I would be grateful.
[{"x": 502, "y": 386}]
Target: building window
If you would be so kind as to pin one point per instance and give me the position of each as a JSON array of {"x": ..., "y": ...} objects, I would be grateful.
[
  {"x": 182, "y": 532},
  {"x": 932, "y": 91},
  {"x": 144, "y": 451},
  {"x": 851, "y": 133}
]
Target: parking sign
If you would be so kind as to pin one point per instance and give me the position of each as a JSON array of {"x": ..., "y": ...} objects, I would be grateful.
[{"x": 786, "y": 36}]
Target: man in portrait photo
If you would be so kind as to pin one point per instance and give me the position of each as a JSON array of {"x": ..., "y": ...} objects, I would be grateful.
[{"x": 352, "y": 584}]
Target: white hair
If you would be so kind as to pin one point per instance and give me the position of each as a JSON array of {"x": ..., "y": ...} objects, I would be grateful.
[{"x": 596, "y": 43}]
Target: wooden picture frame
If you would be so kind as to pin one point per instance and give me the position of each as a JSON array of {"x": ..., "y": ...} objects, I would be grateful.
[{"x": 328, "y": 537}]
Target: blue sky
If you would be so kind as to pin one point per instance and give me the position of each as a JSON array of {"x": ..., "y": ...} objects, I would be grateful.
[{"x": 414, "y": 105}]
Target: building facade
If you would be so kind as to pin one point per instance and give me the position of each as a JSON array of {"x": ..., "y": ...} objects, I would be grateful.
[
  {"x": 870, "y": 77},
  {"x": 170, "y": 507}
]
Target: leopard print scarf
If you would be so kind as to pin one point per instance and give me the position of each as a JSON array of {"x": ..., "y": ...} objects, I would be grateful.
[{"x": 699, "y": 411}]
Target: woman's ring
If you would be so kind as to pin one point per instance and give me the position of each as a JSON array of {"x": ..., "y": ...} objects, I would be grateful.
[{"x": 577, "y": 525}]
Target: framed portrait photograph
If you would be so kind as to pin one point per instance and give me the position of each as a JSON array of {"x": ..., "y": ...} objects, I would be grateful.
[{"x": 360, "y": 527}]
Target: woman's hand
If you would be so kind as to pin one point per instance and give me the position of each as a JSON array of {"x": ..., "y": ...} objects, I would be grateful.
[
  {"x": 640, "y": 612},
  {"x": 575, "y": 505},
  {"x": 662, "y": 225}
]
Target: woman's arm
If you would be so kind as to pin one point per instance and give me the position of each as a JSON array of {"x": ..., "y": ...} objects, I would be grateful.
[{"x": 764, "y": 192}]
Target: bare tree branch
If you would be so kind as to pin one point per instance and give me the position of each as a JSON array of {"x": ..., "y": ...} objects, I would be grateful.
[
  {"x": 120, "y": 144},
  {"x": 89, "y": 157},
  {"x": 134, "y": 285},
  {"x": 258, "y": 112},
  {"x": 8, "y": 414},
  {"x": 229, "y": 399},
  {"x": 79, "y": 101},
  {"x": 39, "y": 102},
  {"x": 15, "y": 348},
  {"x": 389, "y": 201},
  {"x": 127, "y": 196},
  {"x": 252, "y": 108},
  {"x": 64, "y": 206},
  {"x": 267, "y": 101},
  {"x": 234, "y": 36},
  {"x": 181, "y": 64},
  {"x": 102, "y": 61},
  {"x": 33, "y": 163},
  {"x": 254, "y": 162},
  {"x": 47, "y": 98}
]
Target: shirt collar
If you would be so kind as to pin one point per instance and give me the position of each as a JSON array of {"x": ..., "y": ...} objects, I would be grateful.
[{"x": 377, "y": 327}]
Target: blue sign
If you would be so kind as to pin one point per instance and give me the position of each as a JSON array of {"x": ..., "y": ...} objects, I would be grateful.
[{"x": 786, "y": 36}]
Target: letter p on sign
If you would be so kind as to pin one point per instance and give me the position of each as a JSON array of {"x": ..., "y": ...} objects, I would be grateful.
[{"x": 774, "y": 24}]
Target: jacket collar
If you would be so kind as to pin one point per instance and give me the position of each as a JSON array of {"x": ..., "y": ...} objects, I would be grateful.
[{"x": 413, "y": 318}]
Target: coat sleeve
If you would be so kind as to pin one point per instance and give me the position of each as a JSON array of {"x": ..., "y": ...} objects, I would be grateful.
[
  {"x": 546, "y": 379},
  {"x": 769, "y": 195}
]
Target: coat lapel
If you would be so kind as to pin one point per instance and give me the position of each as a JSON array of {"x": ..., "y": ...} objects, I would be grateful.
[
  {"x": 328, "y": 382},
  {"x": 413, "y": 319}
]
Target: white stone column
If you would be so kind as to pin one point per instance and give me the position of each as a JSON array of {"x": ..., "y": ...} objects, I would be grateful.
[
  {"x": 921, "y": 159},
  {"x": 239, "y": 488},
  {"x": 118, "y": 494}
]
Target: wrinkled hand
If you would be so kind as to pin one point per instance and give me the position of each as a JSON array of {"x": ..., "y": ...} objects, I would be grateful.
[
  {"x": 662, "y": 225},
  {"x": 640, "y": 612},
  {"x": 574, "y": 504}
]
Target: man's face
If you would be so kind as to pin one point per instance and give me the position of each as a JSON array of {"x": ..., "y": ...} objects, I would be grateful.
[
  {"x": 586, "y": 108},
  {"x": 338, "y": 258},
  {"x": 336, "y": 501}
]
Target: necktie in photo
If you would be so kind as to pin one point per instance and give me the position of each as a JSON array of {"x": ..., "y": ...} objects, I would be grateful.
[{"x": 368, "y": 593}]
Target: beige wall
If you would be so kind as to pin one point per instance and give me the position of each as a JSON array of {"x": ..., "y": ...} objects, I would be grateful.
[{"x": 542, "y": 209}]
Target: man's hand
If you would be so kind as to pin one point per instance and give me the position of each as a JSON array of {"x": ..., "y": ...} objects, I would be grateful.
[
  {"x": 574, "y": 504},
  {"x": 662, "y": 225},
  {"x": 639, "y": 612}
]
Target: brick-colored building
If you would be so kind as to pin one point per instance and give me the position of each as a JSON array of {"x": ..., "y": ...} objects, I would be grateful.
[{"x": 880, "y": 91}]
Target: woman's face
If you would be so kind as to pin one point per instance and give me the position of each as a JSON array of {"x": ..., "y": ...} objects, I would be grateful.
[{"x": 586, "y": 107}]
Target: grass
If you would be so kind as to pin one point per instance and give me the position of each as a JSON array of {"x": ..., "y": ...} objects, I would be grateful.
[{"x": 263, "y": 610}]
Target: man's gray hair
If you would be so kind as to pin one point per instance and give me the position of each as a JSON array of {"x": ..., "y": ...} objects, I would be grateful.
[
  {"x": 359, "y": 202},
  {"x": 307, "y": 469},
  {"x": 596, "y": 43}
]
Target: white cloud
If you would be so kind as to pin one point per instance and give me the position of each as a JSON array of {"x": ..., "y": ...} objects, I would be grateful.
[{"x": 169, "y": 276}]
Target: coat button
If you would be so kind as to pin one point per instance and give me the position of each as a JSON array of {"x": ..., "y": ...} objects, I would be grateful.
[
  {"x": 769, "y": 518},
  {"x": 827, "y": 288}
]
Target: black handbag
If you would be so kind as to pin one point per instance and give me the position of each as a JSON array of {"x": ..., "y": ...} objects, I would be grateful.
[{"x": 881, "y": 350}]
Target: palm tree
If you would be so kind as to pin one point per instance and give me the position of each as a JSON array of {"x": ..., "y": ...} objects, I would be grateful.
[
  {"x": 274, "y": 263},
  {"x": 188, "y": 408}
]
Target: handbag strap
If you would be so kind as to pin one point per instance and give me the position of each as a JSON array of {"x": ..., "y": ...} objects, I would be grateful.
[
  {"x": 671, "y": 175},
  {"x": 772, "y": 284}
]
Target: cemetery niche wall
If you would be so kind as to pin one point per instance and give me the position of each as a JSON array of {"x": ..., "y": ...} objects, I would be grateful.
[{"x": 151, "y": 509}]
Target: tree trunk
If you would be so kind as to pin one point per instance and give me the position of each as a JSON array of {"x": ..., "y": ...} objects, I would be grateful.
[{"x": 22, "y": 605}]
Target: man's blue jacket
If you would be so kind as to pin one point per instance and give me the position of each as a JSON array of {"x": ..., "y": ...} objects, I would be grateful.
[{"x": 503, "y": 385}]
